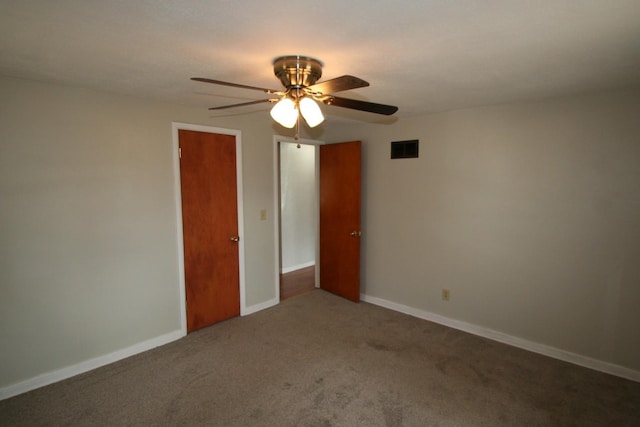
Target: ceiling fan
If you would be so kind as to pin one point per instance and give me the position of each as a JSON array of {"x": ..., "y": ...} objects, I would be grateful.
[{"x": 299, "y": 76}]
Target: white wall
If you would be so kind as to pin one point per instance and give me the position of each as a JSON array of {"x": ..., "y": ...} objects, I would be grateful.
[
  {"x": 529, "y": 213},
  {"x": 298, "y": 205},
  {"x": 88, "y": 223}
]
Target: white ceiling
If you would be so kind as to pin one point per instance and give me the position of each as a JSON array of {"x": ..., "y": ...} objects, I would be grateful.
[{"x": 423, "y": 56}]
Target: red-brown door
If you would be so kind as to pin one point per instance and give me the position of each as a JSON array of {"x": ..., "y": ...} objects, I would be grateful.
[
  {"x": 210, "y": 227},
  {"x": 340, "y": 219}
]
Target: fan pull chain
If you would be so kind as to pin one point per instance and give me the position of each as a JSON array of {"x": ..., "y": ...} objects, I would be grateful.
[{"x": 298, "y": 77}]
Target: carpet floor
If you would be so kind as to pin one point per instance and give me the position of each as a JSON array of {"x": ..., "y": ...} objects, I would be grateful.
[{"x": 319, "y": 360}]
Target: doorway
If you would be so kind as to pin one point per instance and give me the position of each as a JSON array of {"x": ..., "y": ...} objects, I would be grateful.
[
  {"x": 298, "y": 214},
  {"x": 337, "y": 174},
  {"x": 208, "y": 169}
]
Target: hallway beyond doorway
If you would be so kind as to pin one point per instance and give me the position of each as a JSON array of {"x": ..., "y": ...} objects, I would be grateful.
[{"x": 297, "y": 282}]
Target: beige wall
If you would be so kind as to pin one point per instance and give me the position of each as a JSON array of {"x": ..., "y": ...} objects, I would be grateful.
[
  {"x": 529, "y": 213},
  {"x": 88, "y": 223}
]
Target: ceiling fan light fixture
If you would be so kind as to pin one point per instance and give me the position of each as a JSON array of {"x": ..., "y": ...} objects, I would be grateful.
[
  {"x": 285, "y": 112},
  {"x": 303, "y": 93},
  {"x": 311, "y": 112}
]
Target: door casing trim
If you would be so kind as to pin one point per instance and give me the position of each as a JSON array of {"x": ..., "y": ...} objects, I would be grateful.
[{"x": 176, "y": 126}]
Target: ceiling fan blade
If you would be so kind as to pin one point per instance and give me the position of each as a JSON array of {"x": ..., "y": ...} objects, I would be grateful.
[
  {"x": 260, "y": 101},
  {"x": 355, "y": 104},
  {"x": 219, "y": 82},
  {"x": 338, "y": 84}
]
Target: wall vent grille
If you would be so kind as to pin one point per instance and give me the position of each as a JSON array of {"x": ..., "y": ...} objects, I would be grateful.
[{"x": 404, "y": 149}]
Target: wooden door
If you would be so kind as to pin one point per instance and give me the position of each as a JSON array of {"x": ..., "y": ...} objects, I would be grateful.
[
  {"x": 340, "y": 219},
  {"x": 210, "y": 227}
]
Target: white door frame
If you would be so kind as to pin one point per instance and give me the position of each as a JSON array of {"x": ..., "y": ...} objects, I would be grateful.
[
  {"x": 276, "y": 203},
  {"x": 176, "y": 126}
]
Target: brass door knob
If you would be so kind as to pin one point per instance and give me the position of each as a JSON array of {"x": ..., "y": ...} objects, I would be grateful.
[
  {"x": 355, "y": 233},
  {"x": 235, "y": 239}
]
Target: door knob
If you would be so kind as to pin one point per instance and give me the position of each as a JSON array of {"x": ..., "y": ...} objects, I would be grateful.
[
  {"x": 355, "y": 233},
  {"x": 235, "y": 239}
]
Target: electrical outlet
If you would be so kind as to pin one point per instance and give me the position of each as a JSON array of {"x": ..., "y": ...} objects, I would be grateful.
[{"x": 446, "y": 295}]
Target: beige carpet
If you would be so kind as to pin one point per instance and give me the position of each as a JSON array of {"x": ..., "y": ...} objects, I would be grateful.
[{"x": 318, "y": 360}]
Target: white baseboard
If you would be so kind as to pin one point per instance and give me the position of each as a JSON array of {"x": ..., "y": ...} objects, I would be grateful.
[
  {"x": 577, "y": 359},
  {"x": 297, "y": 267},
  {"x": 566, "y": 356},
  {"x": 258, "y": 307},
  {"x": 87, "y": 365}
]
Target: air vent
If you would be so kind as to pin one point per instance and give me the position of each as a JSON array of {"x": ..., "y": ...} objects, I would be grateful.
[{"x": 404, "y": 149}]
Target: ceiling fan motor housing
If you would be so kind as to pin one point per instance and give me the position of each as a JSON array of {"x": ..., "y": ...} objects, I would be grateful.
[{"x": 297, "y": 71}]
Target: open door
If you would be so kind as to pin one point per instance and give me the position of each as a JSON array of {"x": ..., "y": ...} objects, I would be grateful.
[{"x": 340, "y": 168}]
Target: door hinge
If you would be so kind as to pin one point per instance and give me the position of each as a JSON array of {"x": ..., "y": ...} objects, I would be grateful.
[{"x": 179, "y": 152}]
